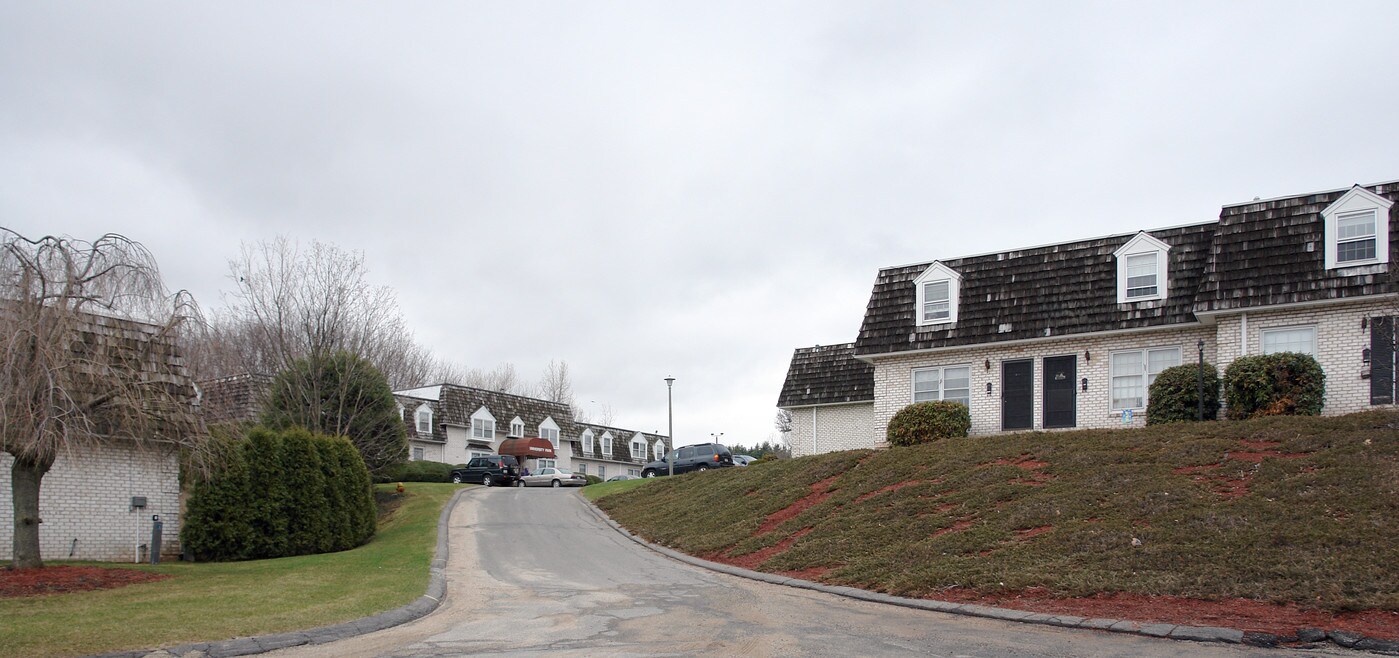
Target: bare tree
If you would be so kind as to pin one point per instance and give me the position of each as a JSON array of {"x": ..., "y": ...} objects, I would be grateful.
[
  {"x": 783, "y": 422},
  {"x": 502, "y": 378},
  {"x": 90, "y": 338},
  {"x": 556, "y": 385},
  {"x": 605, "y": 415},
  {"x": 291, "y": 302}
]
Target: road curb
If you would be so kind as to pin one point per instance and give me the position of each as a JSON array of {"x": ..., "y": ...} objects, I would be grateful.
[
  {"x": 1168, "y": 631},
  {"x": 245, "y": 646}
]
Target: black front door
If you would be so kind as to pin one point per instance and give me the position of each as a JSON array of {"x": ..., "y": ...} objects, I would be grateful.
[
  {"x": 1017, "y": 394},
  {"x": 1059, "y": 375}
]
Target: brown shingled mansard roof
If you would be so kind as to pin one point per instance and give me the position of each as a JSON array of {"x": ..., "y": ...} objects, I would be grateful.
[
  {"x": 1257, "y": 254},
  {"x": 827, "y": 374},
  {"x": 621, "y": 444}
]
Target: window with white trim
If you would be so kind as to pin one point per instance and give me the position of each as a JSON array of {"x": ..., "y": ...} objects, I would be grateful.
[
  {"x": 953, "y": 384},
  {"x": 634, "y": 472},
  {"x": 602, "y": 471},
  {"x": 587, "y": 440},
  {"x": 1290, "y": 339},
  {"x": 546, "y": 463},
  {"x": 1141, "y": 275},
  {"x": 418, "y": 454},
  {"x": 1133, "y": 372},
  {"x": 607, "y": 443},
  {"x": 424, "y": 420},
  {"x": 936, "y": 291},
  {"x": 582, "y": 468},
  {"x": 1356, "y": 227},
  {"x": 517, "y": 427},
  {"x": 1141, "y": 269},
  {"x": 548, "y": 429},
  {"x": 483, "y": 425},
  {"x": 476, "y": 453},
  {"x": 638, "y": 449},
  {"x": 658, "y": 450}
]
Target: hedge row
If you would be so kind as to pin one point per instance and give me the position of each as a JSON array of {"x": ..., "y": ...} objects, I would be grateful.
[
  {"x": 1282, "y": 384},
  {"x": 418, "y": 471},
  {"x": 280, "y": 493}
]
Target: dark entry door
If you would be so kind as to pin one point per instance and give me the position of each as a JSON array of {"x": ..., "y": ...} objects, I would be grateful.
[
  {"x": 1059, "y": 391},
  {"x": 1017, "y": 394}
]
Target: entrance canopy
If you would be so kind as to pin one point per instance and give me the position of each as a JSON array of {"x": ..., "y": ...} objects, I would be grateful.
[{"x": 529, "y": 447}]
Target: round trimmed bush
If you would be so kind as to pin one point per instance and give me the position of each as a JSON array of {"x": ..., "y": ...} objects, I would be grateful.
[
  {"x": 1174, "y": 394},
  {"x": 925, "y": 422},
  {"x": 1282, "y": 384}
]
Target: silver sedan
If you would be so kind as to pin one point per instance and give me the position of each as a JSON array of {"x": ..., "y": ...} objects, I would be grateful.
[{"x": 552, "y": 477}]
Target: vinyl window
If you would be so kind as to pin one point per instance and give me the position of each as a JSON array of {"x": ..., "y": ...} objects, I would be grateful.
[
  {"x": 951, "y": 384},
  {"x": 1355, "y": 236},
  {"x": 418, "y": 454},
  {"x": 1134, "y": 371},
  {"x": 606, "y": 445},
  {"x": 482, "y": 428},
  {"x": 549, "y": 433},
  {"x": 424, "y": 421},
  {"x": 1141, "y": 275},
  {"x": 517, "y": 429},
  {"x": 937, "y": 304},
  {"x": 1290, "y": 339}
]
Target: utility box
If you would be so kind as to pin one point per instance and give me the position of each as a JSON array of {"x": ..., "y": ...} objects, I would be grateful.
[{"x": 138, "y": 502}]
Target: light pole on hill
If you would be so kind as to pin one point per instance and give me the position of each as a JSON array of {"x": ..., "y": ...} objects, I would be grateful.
[{"x": 670, "y": 425}]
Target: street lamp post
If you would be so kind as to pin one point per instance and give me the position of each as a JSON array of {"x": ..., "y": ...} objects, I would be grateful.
[
  {"x": 716, "y": 436},
  {"x": 670, "y": 425},
  {"x": 1200, "y": 385}
]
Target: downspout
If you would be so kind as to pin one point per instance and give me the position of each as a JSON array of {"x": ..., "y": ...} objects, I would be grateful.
[{"x": 813, "y": 430}]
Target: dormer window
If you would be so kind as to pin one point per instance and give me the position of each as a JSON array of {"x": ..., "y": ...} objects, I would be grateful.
[
  {"x": 1356, "y": 227},
  {"x": 937, "y": 290},
  {"x": 517, "y": 427},
  {"x": 483, "y": 425},
  {"x": 1141, "y": 269},
  {"x": 658, "y": 450},
  {"x": 587, "y": 440},
  {"x": 638, "y": 447},
  {"x": 424, "y": 420},
  {"x": 607, "y": 443},
  {"x": 549, "y": 430}
]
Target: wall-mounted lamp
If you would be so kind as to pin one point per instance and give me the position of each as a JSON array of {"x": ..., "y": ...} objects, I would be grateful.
[
  {"x": 988, "y": 364},
  {"x": 1364, "y": 322},
  {"x": 1085, "y": 384},
  {"x": 1365, "y": 355},
  {"x": 988, "y": 388},
  {"x": 1087, "y": 356}
]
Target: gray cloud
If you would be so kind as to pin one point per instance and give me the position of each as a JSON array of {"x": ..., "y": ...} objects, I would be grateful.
[{"x": 650, "y": 189}]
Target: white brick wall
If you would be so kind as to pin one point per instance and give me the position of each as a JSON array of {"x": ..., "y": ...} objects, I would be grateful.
[
  {"x": 893, "y": 376},
  {"x": 432, "y": 452},
  {"x": 87, "y": 496},
  {"x": 836, "y": 427},
  {"x": 1340, "y": 338}
]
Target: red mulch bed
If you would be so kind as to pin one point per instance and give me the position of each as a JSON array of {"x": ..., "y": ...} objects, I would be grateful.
[
  {"x": 817, "y": 495},
  {"x": 1245, "y": 614},
  {"x": 64, "y": 579}
]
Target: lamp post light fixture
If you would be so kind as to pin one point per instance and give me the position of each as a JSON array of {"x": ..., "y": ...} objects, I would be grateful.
[
  {"x": 670, "y": 424},
  {"x": 715, "y": 436}
]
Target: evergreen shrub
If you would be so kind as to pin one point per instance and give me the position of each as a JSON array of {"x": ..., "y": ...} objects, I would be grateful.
[
  {"x": 925, "y": 422},
  {"x": 1282, "y": 384},
  {"x": 1174, "y": 395},
  {"x": 280, "y": 493}
]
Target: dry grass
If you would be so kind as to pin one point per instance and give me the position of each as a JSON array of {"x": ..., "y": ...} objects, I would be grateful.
[{"x": 1300, "y": 510}]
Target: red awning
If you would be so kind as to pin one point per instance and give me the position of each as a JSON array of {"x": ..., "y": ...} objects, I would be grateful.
[{"x": 531, "y": 447}]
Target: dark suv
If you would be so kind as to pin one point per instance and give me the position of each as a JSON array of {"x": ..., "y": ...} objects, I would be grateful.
[
  {"x": 489, "y": 470},
  {"x": 691, "y": 458}
]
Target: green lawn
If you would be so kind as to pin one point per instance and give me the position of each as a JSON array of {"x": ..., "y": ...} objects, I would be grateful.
[
  {"x": 596, "y": 491},
  {"x": 216, "y": 601},
  {"x": 1299, "y": 510}
]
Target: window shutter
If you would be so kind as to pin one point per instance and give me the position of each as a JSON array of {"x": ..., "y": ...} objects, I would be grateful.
[{"x": 1382, "y": 360}]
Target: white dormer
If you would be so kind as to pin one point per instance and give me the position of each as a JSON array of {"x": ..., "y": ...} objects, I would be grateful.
[
  {"x": 517, "y": 427},
  {"x": 548, "y": 429},
  {"x": 401, "y": 412},
  {"x": 1356, "y": 227},
  {"x": 607, "y": 443},
  {"x": 587, "y": 438},
  {"x": 937, "y": 291},
  {"x": 638, "y": 446},
  {"x": 658, "y": 450},
  {"x": 423, "y": 420},
  {"x": 483, "y": 425},
  {"x": 1141, "y": 269}
]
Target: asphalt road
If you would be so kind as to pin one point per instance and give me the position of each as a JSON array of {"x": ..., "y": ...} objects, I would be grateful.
[{"x": 533, "y": 571}]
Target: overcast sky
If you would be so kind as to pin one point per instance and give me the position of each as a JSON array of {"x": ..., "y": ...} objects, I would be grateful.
[{"x": 647, "y": 189}]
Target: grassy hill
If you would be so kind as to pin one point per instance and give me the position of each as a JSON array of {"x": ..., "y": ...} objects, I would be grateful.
[{"x": 1283, "y": 510}]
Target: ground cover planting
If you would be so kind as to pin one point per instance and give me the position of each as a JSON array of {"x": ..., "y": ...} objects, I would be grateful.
[
  {"x": 214, "y": 601},
  {"x": 1275, "y": 522}
]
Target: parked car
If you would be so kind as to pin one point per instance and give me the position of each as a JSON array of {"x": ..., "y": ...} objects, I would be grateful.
[
  {"x": 744, "y": 460},
  {"x": 619, "y": 478},
  {"x": 700, "y": 457},
  {"x": 552, "y": 477},
  {"x": 490, "y": 470}
]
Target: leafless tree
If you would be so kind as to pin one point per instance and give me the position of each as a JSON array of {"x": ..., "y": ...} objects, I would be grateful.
[
  {"x": 556, "y": 385},
  {"x": 502, "y": 378},
  {"x": 605, "y": 415},
  {"x": 291, "y": 302},
  {"x": 90, "y": 349},
  {"x": 783, "y": 422}
]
